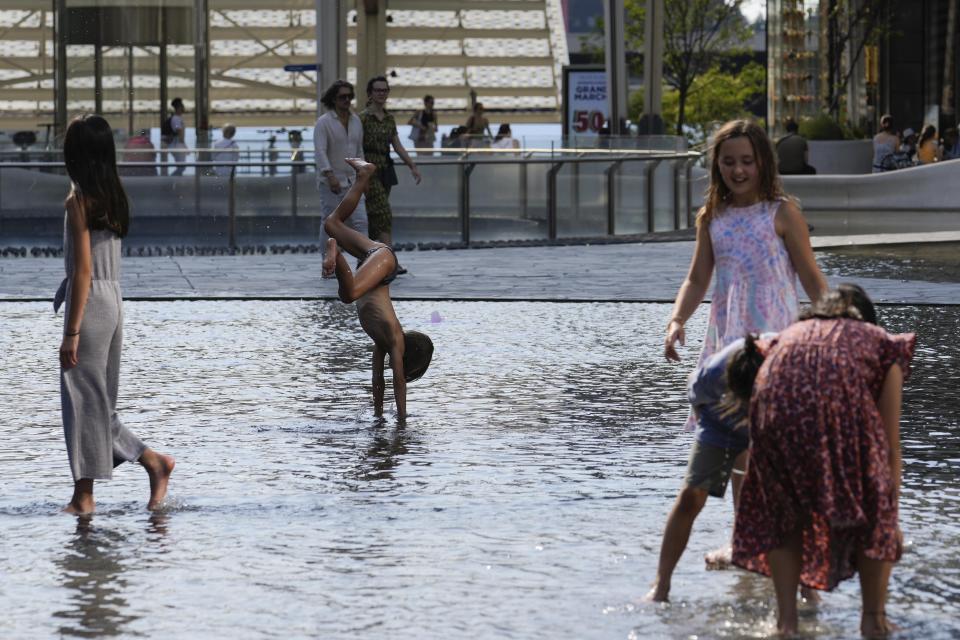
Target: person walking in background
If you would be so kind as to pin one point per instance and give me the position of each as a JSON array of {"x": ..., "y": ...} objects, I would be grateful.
[
  {"x": 928, "y": 150},
  {"x": 757, "y": 242},
  {"x": 477, "y": 127},
  {"x": 97, "y": 217},
  {"x": 424, "y": 124},
  {"x": 226, "y": 149},
  {"x": 505, "y": 139},
  {"x": 139, "y": 149},
  {"x": 173, "y": 136},
  {"x": 951, "y": 144},
  {"x": 885, "y": 145},
  {"x": 793, "y": 153},
  {"x": 337, "y": 135},
  {"x": 295, "y": 138},
  {"x": 379, "y": 133},
  {"x": 820, "y": 498}
]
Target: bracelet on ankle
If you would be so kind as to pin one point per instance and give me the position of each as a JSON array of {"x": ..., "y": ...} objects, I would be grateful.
[{"x": 70, "y": 335}]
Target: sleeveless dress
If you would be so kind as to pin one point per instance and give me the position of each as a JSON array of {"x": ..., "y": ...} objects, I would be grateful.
[
  {"x": 96, "y": 439},
  {"x": 756, "y": 284},
  {"x": 818, "y": 450}
]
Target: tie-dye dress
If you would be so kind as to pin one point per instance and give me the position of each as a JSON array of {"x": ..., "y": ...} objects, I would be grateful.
[{"x": 756, "y": 285}]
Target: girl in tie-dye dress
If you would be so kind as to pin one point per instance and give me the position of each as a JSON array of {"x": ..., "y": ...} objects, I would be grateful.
[{"x": 757, "y": 241}]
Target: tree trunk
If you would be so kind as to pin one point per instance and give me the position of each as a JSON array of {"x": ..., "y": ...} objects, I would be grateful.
[{"x": 681, "y": 108}]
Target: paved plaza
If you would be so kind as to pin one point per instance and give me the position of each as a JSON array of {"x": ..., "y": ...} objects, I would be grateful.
[{"x": 641, "y": 272}]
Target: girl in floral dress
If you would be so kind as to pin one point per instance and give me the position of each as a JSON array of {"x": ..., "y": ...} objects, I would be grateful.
[
  {"x": 757, "y": 242},
  {"x": 820, "y": 498}
]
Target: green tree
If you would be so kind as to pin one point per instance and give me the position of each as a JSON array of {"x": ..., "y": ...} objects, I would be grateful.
[
  {"x": 714, "y": 97},
  {"x": 694, "y": 33}
]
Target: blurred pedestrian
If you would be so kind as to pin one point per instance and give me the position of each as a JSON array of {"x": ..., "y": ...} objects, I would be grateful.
[
  {"x": 477, "y": 128},
  {"x": 379, "y": 133},
  {"x": 885, "y": 144},
  {"x": 505, "y": 139},
  {"x": 295, "y": 138},
  {"x": 423, "y": 125},
  {"x": 951, "y": 144},
  {"x": 226, "y": 150},
  {"x": 139, "y": 148},
  {"x": 928, "y": 150},
  {"x": 173, "y": 136},
  {"x": 338, "y": 135},
  {"x": 793, "y": 154}
]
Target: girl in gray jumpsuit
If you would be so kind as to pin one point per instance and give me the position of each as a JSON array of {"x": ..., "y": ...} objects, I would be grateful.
[{"x": 97, "y": 217}]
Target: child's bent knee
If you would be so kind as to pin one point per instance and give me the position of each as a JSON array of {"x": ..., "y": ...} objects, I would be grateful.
[{"x": 691, "y": 500}]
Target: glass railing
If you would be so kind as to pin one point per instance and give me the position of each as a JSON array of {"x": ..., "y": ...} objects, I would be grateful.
[{"x": 467, "y": 197}]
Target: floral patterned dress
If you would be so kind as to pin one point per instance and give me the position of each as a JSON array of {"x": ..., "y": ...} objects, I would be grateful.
[
  {"x": 756, "y": 284},
  {"x": 818, "y": 451},
  {"x": 377, "y": 135}
]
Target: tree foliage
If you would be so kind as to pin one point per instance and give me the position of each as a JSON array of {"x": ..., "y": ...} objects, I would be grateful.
[
  {"x": 695, "y": 32},
  {"x": 851, "y": 25},
  {"x": 714, "y": 97}
]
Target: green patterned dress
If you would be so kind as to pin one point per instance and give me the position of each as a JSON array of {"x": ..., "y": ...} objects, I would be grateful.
[{"x": 377, "y": 136}]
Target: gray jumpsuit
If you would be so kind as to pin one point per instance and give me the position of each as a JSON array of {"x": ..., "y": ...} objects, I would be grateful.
[{"x": 96, "y": 439}]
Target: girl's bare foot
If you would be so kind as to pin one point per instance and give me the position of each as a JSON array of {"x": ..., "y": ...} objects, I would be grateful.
[
  {"x": 80, "y": 507},
  {"x": 876, "y": 625},
  {"x": 720, "y": 558},
  {"x": 329, "y": 268},
  {"x": 658, "y": 593},
  {"x": 363, "y": 168},
  {"x": 159, "y": 467},
  {"x": 82, "y": 501}
]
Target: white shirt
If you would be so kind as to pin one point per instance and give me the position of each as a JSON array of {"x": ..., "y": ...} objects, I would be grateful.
[
  {"x": 226, "y": 151},
  {"x": 332, "y": 143}
]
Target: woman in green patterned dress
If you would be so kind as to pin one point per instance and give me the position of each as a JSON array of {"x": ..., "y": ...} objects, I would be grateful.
[{"x": 379, "y": 132}]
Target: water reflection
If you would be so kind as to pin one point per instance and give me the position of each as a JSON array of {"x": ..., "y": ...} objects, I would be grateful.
[
  {"x": 525, "y": 497},
  {"x": 92, "y": 571},
  {"x": 382, "y": 456}
]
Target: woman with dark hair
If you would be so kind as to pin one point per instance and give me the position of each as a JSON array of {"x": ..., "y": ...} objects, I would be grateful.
[
  {"x": 820, "y": 498},
  {"x": 379, "y": 132},
  {"x": 928, "y": 149},
  {"x": 885, "y": 146},
  {"x": 97, "y": 217},
  {"x": 369, "y": 286}
]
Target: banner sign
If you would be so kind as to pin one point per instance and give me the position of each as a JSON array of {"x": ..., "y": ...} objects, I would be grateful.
[{"x": 585, "y": 107}]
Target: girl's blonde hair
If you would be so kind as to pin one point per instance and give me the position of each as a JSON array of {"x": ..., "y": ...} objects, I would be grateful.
[{"x": 717, "y": 192}]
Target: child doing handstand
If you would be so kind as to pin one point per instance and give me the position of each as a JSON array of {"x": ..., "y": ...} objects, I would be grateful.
[{"x": 410, "y": 352}]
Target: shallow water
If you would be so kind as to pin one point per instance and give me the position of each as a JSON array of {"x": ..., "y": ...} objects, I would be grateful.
[
  {"x": 932, "y": 262},
  {"x": 524, "y": 498}
]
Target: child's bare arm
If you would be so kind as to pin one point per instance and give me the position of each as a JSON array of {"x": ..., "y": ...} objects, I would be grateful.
[
  {"x": 378, "y": 383},
  {"x": 399, "y": 381},
  {"x": 889, "y": 407}
]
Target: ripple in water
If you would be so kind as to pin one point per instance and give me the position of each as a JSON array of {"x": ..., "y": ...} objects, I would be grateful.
[{"x": 525, "y": 497}]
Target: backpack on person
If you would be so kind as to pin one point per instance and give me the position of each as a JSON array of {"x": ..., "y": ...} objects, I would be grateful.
[{"x": 166, "y": 128}]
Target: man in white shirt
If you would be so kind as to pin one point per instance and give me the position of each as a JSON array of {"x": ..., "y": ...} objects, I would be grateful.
[
  {"x": 226, "y": 150},
  {"x": 337, "y": 135}
]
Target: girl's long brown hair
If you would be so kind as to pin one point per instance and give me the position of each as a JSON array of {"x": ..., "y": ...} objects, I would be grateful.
[
  {"x": 717, "y": 192},
  {"x": 91, "y": 159}
]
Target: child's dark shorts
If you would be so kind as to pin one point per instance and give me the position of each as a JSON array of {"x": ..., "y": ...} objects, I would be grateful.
[{"x": 710, "y": 467}]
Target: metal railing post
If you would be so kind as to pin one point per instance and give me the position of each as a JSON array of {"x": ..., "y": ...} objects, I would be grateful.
[
  {"x": 293, "y": 190},
  {"x": 610, "y": 173},
  {"x": 466, "y": 168},
  {"x": 232, "y": 212},
  {"x": 651, "y": 199},
  {"x": 552, "y": 200},
  {"x": 689, "y": 178},
  {"x": 524, "y": 201}
]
